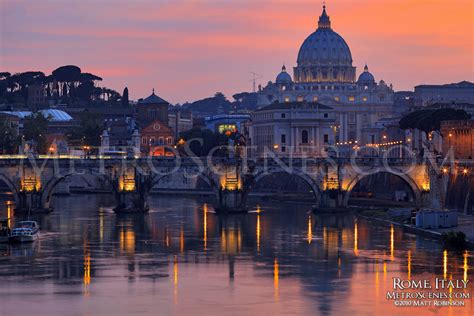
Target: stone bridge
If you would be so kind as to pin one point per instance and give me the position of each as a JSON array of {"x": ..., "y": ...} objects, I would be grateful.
[{"x": 33, "y": 181}]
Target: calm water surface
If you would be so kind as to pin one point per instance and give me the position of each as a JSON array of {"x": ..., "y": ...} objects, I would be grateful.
[{"x": 183, "y": 259}]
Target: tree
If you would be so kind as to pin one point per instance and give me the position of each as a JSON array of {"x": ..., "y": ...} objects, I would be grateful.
[
  {"x": 209, "y": 140},
  {"x": 9, "y": 139},
  {"x": 429, "y": 120},
  {"x": 35, "y": 128},
  {"x": 125, "y": 101},
  {"x": 89, "y": 131},
  {"x": 69, "y": 73}
]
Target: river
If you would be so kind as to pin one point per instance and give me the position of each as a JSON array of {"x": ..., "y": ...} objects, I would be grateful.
[{"x": 183, "y": 259}]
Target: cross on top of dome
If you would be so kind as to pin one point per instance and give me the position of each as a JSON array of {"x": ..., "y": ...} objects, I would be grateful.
[{"x": 324, "y": 21}]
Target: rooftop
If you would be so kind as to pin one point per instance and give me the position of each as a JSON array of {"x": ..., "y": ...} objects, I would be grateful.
[
  {"x": 462, "y": 84},
  {"x": 152, "y": 99},
  {"x": 53, "y": 114}
]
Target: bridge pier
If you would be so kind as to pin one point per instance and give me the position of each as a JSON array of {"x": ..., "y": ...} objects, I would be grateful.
[
  {"x": 333, "y": 199},
  {"x": 31, "y": 203},
  {"x": 231, "y": 201},
  {"x": 30, "y": 196},
  {"x": 132, "y": 192},
  {"x": 231, "y": 196}
]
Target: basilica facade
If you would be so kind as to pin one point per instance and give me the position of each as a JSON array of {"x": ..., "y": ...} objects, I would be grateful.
[{"x": 324, "y": 75}]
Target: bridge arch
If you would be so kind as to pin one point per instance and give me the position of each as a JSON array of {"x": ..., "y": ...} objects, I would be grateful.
[
  {"x": 414, "y": 188},
  {"x": 211, "y": 182},
  {"x": 308, "y": 179},
  {"x": 12, "y": 187},
  {"x": 52, "y": 183}
]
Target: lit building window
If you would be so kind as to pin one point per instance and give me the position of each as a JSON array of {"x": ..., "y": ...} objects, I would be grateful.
[
  {"x": 337, "y": 99},
  {"x": 364, "y": 99},
  {"x": 351, "y": 99},
  {"x": 227, "y": 127},
  {"x": 315, "y": 99},
  {"x": 300, "y": 98},
  {"x": 287, "y": 99}
]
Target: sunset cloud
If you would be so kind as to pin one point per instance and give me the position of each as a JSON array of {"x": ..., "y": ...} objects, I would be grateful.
[{"x": 190, "y": 49}]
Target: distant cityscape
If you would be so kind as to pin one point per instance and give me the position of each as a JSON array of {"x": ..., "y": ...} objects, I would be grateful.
[{"x": 323, "y": 106}]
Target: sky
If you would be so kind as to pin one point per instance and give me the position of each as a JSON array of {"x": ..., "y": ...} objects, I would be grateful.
[{"x": 189, "y": 49}]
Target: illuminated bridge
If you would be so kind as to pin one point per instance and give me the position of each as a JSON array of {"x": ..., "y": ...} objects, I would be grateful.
[{"x": 32, "y": 181}]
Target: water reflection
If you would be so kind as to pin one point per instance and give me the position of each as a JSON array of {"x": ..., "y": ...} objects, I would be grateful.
[{"x": 185, "y": 258}]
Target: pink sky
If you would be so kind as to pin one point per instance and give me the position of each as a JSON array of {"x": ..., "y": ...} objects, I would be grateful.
[{"x": 188, "y": 49}]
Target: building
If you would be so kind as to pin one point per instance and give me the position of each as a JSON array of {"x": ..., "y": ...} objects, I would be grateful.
[
  {"x": 461, "y": 92},
  {"x": 180, "y": 121},
  {"x": 297, "y": 129},
  {"x": 59, "y": 121},
  {"x": 11, "y": 121},
  {"x": 324, "y": 73},
  {"x": 458, "y": 138},
  {"x": 150, "y": 109},
  {"x": 222, "y": 123},
  {"x": 120, "y": 135},
  {"x": 156, "y": 139}
]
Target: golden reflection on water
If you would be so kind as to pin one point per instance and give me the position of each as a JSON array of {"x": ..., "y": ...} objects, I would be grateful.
[
  {"x": 409, "y": 265},
  {"x": 258, "y": 232},
  {"x": 276, "y": 277},
  {"x": 101, "y": 225},
  {"x": 465, "y": 266},
  {"x": 181, "y": 240},
  {"x": 392, "y": 242},
  {"x": 377, "y": 280},
  {"x": 175, "y": 279},
  {"x": 127, "y": 240},
  {"x": 205, "y": 225},
  {"x": 231, "y": 240},
  {"x": 356, "y": 250},
  {"x": 445, "y": 264},
  {"x": 167, "y": 238},
  {"x": 87, "y": 268},
  {"x": 9, "y": 214},
  {"x": 310, "y": 229}
]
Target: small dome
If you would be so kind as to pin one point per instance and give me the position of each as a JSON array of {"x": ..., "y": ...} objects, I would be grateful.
[
  {"x": 283, "y": 77},
  {"x": 366, "y": 77}
]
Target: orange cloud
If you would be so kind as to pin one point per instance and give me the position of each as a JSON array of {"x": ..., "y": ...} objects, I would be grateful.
[{"x": 191, "y": 49}]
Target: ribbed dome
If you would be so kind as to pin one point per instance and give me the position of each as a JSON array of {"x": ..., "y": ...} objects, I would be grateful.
[
  {"x": 324, "y": 46},
  {"x": 283, "y": 77},
  {"x": 366, "y": 77}
]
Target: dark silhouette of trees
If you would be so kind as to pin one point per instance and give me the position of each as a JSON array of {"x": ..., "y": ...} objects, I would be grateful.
[
  {"x": 204, "y": 141},
  {"x": 66, "y": 85},
  {"x": 125, "y": 101},
  {"x": 429, "y": 120},
  {"x": 35, "y": 127},
  {"x": 88, "y": 132},
  {"x": 9, "y": 140}
]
